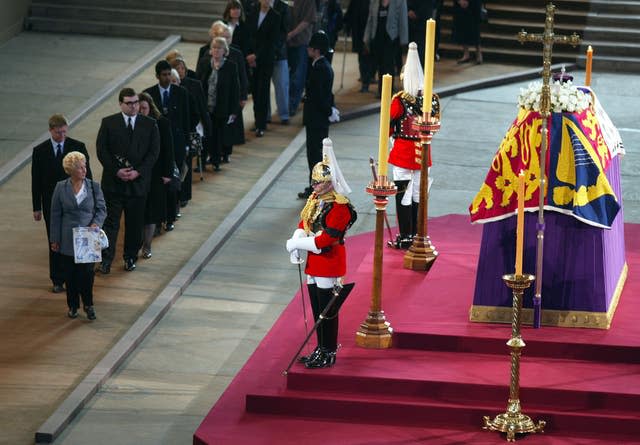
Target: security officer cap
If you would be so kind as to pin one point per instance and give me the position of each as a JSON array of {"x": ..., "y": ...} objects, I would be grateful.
[{"x": 320, "y": 40}]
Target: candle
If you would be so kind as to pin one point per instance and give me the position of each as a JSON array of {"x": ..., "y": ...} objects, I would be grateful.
[
  {"x": 587, "y": 75},
  {"x": 520, "y": 224},
  {"x": 429, "y": 62},
  {"x": 385, "y": 110}
]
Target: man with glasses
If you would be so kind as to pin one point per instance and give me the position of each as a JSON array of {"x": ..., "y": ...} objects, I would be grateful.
[
  {"x": 46, "y": 171},
  {"x": 128, "y": 145}
]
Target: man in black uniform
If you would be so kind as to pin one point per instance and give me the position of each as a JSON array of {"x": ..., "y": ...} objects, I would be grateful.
[
  {"x": 318, "y": 102},
  {"x": 46, "y": 171}
]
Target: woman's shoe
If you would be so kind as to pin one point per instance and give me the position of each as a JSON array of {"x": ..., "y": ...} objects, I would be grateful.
[
  {"x": 91, "y": 313},
  {"x": 146, "y": 254},
  {"x": 73, "y": 312}
]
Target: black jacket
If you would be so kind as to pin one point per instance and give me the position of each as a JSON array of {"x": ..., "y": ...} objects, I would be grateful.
[{"x": 318, "y": 98}]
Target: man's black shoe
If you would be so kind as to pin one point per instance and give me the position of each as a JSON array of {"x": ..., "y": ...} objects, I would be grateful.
[
  {"x": 129, "y": 264},
  {"x": 73, "y": 312},
  {"x": 104, "y": 268},
  {"x": 57, "y": 288},
  {"x": 169, "y": 227},
  {"x": 91, "y": 313}
]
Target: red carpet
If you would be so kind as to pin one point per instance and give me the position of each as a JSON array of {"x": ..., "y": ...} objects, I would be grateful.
[{"x": 444, "y": 373}]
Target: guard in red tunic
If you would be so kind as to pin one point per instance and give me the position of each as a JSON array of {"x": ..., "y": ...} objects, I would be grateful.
[
  {"x": 324, "y": 221},
  {"x": 406, "y": 154}
]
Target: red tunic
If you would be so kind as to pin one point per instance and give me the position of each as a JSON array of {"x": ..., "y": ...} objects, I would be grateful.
[
  {"x": 407, "y": 150},
  {"x": 333, "y": 262}
]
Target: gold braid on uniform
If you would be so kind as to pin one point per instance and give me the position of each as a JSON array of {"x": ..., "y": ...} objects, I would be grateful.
[
  {"x": 312, "y": 208},
  {"x": 406, "y": 97}
]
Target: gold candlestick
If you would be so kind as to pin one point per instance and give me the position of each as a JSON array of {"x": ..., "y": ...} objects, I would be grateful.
[
  {"x": 513, "y": 421},
  {"x": 422, "y": 254},
  {"x": 376, "y": 332}
]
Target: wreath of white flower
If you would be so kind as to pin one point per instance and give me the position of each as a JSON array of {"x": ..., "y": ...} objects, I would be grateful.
[{"x": 564, "y": 97}]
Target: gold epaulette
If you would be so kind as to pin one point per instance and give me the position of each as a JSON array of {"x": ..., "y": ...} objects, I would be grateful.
[
  {"x": 406, "y": 96},
  {"x": 341, "y": 199}
]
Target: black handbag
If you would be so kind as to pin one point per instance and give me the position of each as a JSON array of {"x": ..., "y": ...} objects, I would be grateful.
[{"x": 175, "y": 183}]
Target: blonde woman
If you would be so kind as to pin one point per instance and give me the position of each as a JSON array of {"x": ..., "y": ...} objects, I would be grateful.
[{"x": 76, "y": 202}]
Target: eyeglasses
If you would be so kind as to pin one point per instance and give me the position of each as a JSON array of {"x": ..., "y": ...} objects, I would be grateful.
[{"x": 135, "y": 102}]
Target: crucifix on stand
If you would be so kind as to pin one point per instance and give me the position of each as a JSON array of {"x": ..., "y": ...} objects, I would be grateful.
[
  {"x": 513, "y": 421},
  {"x": 548, "y": 38}
]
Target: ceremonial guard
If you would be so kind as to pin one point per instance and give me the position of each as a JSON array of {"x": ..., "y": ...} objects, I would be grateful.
[
  {"x": 406, "y": 154},
  {"x": 325, "y": 218}
]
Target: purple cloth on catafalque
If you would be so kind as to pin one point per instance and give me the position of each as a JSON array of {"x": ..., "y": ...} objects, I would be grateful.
[{"x": 582, "y": 264}]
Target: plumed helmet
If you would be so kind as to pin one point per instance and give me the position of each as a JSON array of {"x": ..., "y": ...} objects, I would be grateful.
[{"x": 320, "y": 40}]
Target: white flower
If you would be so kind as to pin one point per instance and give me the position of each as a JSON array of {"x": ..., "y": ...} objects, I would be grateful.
[{"x": 564, "y": 97}]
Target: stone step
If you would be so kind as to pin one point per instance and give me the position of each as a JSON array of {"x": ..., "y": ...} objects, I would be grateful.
[
  {"x": 159, "y": 18},
  {"x": 114, "y": 29},
  {"x": 193, "y": 6}
]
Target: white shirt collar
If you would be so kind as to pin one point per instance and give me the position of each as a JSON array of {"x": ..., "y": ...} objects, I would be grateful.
[
  {"x": 55, "y": 145},
  {"x": 126, "y": 120}
]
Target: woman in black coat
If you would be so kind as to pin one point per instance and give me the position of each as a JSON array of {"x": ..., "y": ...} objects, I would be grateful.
[
  {"x": 220, "y": 82},
  {"x": 466, "y": 27},
  {"x": 156, "y": 206}
]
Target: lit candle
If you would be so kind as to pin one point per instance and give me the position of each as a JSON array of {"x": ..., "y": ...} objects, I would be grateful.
[
  {"x": 385, "y": 111},
  {"x": 520, "y": 224},
  {"x": 429, "y": 61},
  {"x": 587, "y": 75}
]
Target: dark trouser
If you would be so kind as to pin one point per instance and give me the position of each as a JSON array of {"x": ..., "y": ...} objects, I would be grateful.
[
  {"x": 216, "y": 147},
  {"x": 185, "y": 189},
  {"x": 79, "y": 278},
  {"x": 385, "y": 52},
  {"x": 172, "y": 206},
  {"x": 56, "y": 263},
  {"x": 260, "y": 87},
  {"x": 314, "y": 146},
  {"x": 366, "y": 67},
  {"x": 133, "y": 207},
  {"x": 407, "y": 215}
]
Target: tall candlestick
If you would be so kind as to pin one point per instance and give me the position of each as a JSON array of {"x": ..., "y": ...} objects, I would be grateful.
[
  {"x": 520, "y": 224},
  {"x": 385, "y": 111},
  {"x": 587, "y": 75},
  {"x": 429, "y": 62}
]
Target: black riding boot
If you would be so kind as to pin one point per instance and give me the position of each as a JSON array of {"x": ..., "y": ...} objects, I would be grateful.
[
  {"x": 315, "y": 309},
  {"x": 327, "y": 333},
  {"x": 406, "y": 225}
]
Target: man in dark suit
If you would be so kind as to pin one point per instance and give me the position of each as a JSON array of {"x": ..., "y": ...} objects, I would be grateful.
[
  {"x": 173, "y": 103},
  {"x": 46, "y": 171},
  {"x": 128, "y": 145},
  {"x": 318, "y": 102},
  {"x": 264, "y": 28}
]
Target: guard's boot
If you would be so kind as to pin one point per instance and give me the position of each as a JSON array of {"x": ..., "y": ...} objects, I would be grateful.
[
  {"x": 405, "y": 221},
  {"x": 315, "y": 309},
  {"x": 328, "y": 332}
]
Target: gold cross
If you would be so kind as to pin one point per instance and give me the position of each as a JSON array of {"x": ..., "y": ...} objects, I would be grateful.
[{"x": 548, "y": 38}]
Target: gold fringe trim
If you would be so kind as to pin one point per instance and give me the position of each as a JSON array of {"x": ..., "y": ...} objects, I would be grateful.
[{"x": 565, "y": 319}]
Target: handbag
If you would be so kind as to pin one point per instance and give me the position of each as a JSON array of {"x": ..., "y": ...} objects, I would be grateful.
[
  {"x": 195, "y": 143},
  {"x": 175, "y": 183},
  {"x": 484, "y": 14}
]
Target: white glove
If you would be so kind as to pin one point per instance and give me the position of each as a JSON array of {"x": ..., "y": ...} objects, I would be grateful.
[
  {"x": 307, "y": 243},
  {"x": 295, "y": 257},
  {"x": 335, "y": 115}
]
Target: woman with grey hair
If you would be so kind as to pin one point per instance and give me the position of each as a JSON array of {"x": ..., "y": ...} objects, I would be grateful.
[{"x": 76, "y": 202}]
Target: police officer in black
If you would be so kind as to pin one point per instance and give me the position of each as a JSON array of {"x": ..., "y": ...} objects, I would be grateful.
[{"x": 318, "y": 102}]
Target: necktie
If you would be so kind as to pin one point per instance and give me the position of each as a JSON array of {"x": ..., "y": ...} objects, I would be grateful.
[
  {"x": 165, "y": 99},
  {"x": 59, "y": 151},
  {"x": 130, "y": 128}
]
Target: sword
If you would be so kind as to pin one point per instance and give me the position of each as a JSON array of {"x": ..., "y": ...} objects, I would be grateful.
[{"x": 302, "y": 299}]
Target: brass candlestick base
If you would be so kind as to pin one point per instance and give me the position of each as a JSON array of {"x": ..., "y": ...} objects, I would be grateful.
[
  {"x": 513, "y": 421},
  {"x": 375, "y": 331},
  {"x": 422, "y": 254}
]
